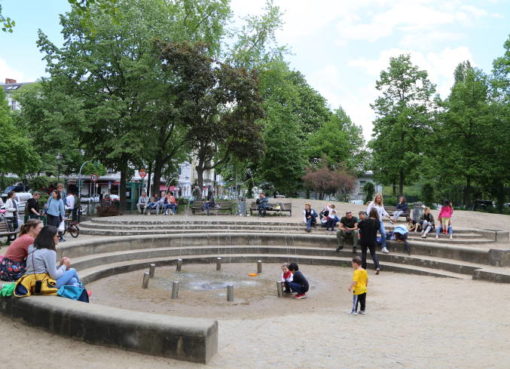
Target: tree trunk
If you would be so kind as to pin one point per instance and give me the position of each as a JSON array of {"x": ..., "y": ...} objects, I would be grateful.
[
  {"x": 467, "y": 192},
  {"x": 401, "y": 182},
  {"x": 394, "y": 189},
  {"x": 123, "y": 182},
  {"x": 200, "y": 177},
  {"x": 149, "y": 174},
  {"x": 158, "y": 168}
]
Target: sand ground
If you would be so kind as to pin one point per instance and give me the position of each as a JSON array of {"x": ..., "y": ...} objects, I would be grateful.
[{"x": 412, "y": 322}]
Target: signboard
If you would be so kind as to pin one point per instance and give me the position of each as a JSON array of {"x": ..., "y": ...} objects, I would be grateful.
[
  {"x": 142, "y": 173},
  {"x": 94, "y": 178}
]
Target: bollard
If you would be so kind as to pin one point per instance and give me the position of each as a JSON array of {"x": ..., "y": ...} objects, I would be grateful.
[
  {"x": 230, "y": 292},
  {"x": 279, "y": 289},
  {"x": 175, "y": 289},
  {"x": 152, "y": 270},
  {"x": 218, "y": 264},
  {"x": 145, "y": 283},
  {"x": 259, "y": 266},
  {"x": 178, "y": 265}
]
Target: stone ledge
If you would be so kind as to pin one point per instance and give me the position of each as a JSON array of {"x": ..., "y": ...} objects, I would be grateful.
[{"x": 186, "y": 339}]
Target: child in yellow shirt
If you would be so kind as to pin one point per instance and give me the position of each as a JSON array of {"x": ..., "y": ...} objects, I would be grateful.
[{"x": 358, "y": 286}]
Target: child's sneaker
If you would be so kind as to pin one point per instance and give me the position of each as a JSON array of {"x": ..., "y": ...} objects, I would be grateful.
[
  {"x": 300, "y": 296},
  {"x": 385, "y": 250},
  {"x": 362, "y": 312},
  {"x": 354, "y": 312}
]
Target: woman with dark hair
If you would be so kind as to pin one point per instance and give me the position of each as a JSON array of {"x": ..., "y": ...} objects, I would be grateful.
[
  {"x": 55, "y": 212},
  {"x": 13, "y": 264},
  {"x": 42, "y": 259}
]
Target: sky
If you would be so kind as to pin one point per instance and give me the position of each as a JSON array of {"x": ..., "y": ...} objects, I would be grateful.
[{"x": 341, "y": 46}]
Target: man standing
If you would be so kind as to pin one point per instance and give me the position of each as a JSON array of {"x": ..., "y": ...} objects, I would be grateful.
[
  {"x": 71, "y": 206},
  {"x": 348, "y": 229},
  {"x": 32, "y": 208}
]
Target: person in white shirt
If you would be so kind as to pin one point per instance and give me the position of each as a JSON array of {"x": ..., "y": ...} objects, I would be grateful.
[
  {"x": 378, "y": 205},
  {"x": 142, "y": 202},
  {"x": 70, "y": 205},
  {"x": 11, "y": 209}
]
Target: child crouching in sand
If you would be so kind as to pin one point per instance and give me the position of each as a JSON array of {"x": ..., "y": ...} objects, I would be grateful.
[
  {"x": 286, "y": 278},
  {"x": 358, "y": 286}
]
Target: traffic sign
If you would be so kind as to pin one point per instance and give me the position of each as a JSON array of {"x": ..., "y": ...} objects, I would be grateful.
[
  {"x": 94, "y": 178},
  {"x": 142, "y": 173}
]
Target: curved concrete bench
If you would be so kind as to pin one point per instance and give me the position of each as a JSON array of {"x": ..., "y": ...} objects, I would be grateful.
[{"x": 178, "y": 338}]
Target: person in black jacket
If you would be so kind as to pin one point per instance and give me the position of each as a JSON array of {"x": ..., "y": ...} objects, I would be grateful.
[
  {"x": 32, "y": 208},
  {"x": 299, "y": 283},
  {"x": 368, "y": 228}
]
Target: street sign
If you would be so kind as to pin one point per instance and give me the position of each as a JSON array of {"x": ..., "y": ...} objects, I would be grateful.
[
  {"x": 94, "y": 178},
  {"x": 142, "y": 173}
]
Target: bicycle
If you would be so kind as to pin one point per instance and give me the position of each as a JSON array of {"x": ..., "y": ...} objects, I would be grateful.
[{"x": 71, "y": 227}]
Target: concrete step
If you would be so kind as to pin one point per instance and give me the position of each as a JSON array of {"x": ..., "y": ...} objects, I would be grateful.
[
  {"x": 461, "y": 239},
  {"x": 105, "y": 270},
  {"x": 101, "y": 223},
  {"x": 173, "y": 252},
  {"x": 467, "y": 253}
]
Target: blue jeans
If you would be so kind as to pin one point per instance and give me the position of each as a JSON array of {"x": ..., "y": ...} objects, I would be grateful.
[
  {"x": 69, "y": 278},
  {"x": 439, "y": 229},
  {"x": 296, "y": 287},
  {"x": 172, "y": 207},
  {"x": 383, "y": 234},
  {"x": 310, "y": 222}
]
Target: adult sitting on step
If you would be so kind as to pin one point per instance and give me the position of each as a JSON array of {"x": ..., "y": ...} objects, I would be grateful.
[
  {"x": 310, "y": 217},
  {"x": 42, "y": 272},
  {"x": 13, "y": 263},
  {"x": 348, "y": 230},
  {"x": 426, "y": 222}
]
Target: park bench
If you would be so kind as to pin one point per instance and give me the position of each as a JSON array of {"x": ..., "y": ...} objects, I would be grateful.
[
  {"x": 275, "y": 207},
  {"x": 225, "y": 206},
  {"x": 392, "y": 209},
  {"x": 7, "y": 231}
]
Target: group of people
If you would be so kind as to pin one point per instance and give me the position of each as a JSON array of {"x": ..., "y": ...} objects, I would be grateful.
[
  {"x": 167, "y": 203},
  {"x": 363, "y": 231},
  {"x": 31, "y": 261}
]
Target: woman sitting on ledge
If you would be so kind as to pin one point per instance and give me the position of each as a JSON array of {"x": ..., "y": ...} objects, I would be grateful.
[
  {"x": 42, "y": 275},
  {"x": 13, "y": 264}
]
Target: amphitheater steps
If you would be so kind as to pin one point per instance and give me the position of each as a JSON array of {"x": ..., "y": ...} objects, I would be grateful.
[
  {"x": 465, "y": 238},
  {"x": 91, "y": 274},
  {"x": 298, "y": 253}
]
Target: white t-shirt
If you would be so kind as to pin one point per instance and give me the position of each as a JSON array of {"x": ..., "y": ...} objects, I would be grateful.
[
  {"x": 381, "y": 212},
  {"x": 70, "y": 202}
]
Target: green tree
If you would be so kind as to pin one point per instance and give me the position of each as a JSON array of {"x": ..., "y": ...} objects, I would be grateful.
[
  {"x": 338, "y": 142},
  {"x": 109, "y": 63},
  {"x": 18, "y": 155},
  {"x": 45, "y": 118},
  {"x": 462, "y": 131},
  {"x": 403, "y": 119},
  {"x": 217, "y": 103}
]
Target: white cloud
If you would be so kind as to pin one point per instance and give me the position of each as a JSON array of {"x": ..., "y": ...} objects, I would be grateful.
[
  {"x": 439, "y": 65},
  {"x": 7, "y": 71}
]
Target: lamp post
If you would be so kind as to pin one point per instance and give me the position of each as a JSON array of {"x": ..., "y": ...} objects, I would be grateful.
[
  {"x": 79, "y": 178},
  {"x": 59, "y": 158}
]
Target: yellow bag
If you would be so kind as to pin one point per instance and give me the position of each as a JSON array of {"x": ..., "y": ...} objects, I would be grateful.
[{"x": 26, "y": 285}]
